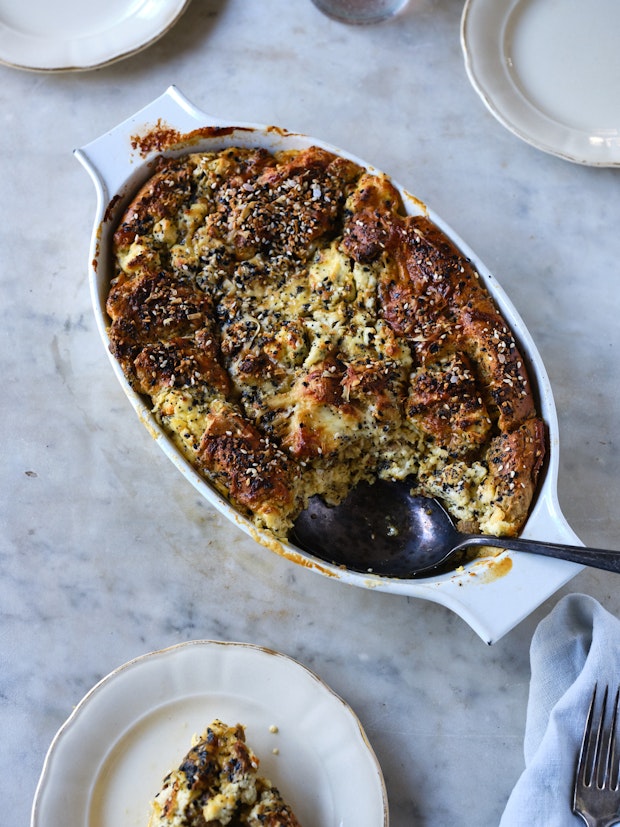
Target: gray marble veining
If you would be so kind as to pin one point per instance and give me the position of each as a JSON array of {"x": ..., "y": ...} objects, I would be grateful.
[{"x": 107, "y": 553}]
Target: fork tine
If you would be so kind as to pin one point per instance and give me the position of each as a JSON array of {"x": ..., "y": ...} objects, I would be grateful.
[
  {"x": 611, "y": 772},
  {"x": 601, "y": 757},
  {"x": 584, "y": 761}
]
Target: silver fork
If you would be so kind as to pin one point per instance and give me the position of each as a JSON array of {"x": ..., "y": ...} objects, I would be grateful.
[{"x": 596, "y": 794}]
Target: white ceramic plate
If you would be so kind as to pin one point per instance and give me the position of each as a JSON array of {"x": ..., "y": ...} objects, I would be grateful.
[
  {"x": 549, "y": 70},
  {"x": 62, "y": 35},
  {"x": 109, "y": 759},
  {"x": 492, "y": 595}
]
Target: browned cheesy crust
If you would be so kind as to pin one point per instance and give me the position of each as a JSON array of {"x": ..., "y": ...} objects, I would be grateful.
[
  {"x": 217, "y": 784},
  {"x": 297, "y": 333}
]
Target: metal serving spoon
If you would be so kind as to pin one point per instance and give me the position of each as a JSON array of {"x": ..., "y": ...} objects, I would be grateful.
[{"x": 382, "y": 528}]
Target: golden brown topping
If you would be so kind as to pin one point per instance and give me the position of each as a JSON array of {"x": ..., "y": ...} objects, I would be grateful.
[
  {"x": 500, "y": 365},
  {"x": 160, "y": 198},
  {"x": 180, "y": 363},
  {"x": 514, "y": 461},
  {"x": 148, "y": 309},
  {"x": 278, "y": 209},
  {"x": 445, "y": 401},
  {"x": 254, "y": 471}
]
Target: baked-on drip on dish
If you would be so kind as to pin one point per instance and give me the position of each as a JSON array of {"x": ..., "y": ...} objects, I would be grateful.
[
  {"x": 217, "y": 784},
  {"x": 297, "y": 332}
]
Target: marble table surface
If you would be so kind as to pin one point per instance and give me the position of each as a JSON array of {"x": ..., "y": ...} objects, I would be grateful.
[{"x": 108, "y": 553}]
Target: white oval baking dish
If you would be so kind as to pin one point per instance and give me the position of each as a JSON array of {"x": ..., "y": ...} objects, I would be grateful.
[{"x": 491, "y": 595}]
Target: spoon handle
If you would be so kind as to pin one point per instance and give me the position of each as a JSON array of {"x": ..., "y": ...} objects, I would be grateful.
[{"x": 597, "y": 558}]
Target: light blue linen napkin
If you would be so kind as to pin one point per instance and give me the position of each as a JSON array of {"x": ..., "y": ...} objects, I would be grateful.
[{"x": 574, "y": 647}]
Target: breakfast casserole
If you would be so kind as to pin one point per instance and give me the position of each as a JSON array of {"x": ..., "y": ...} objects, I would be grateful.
[
  {"x": 217, "y": 784},
  {"x": 296, "y": 332}
]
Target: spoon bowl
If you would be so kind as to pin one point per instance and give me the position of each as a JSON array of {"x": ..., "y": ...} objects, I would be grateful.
[
  {"x": 379, "y": 529},
  {"x": 382, "y": 528}
]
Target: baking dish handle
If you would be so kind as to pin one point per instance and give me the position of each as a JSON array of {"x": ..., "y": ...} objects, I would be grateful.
[{"x": 111, "y": 158}]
